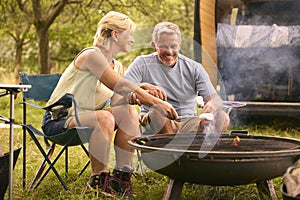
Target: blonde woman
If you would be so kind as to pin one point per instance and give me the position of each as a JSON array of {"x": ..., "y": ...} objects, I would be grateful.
[{"x": 94, "y": 78}]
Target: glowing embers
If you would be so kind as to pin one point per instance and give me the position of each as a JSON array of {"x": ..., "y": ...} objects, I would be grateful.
[{"x": 236, "y": 141}]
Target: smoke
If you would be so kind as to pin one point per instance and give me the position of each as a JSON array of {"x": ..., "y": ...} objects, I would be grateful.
[
  {"x": 247, "y": 71},
  {"x": 284, "y": 13},
  {"x": 259, "y": 57}
]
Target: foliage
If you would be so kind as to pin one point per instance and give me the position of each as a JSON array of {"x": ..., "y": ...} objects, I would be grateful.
[
  {"x": 13, "y": 27},
  {"x": 75, "y": 27}
]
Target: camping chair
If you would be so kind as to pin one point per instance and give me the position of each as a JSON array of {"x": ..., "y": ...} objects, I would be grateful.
[{"x": 42, "y": 87}]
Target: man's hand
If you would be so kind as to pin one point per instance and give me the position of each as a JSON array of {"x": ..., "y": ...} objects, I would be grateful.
[
  {"x": 209, "y": 108},
  {"x": 213, "y": 104},
  {"x": 154, "y": 90},
  {"x": 166, "y": 110}
]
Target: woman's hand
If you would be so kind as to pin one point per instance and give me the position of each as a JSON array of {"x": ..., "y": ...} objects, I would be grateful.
[
  {"x": 154, "y": 90},
  {"x": 133, "y": 99}
]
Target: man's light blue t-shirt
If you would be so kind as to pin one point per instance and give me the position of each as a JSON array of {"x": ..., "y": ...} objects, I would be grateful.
[{"x": 182, "y": 83}]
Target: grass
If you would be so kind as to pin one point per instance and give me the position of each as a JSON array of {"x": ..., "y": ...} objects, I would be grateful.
[{"x": 150, "y": 189}]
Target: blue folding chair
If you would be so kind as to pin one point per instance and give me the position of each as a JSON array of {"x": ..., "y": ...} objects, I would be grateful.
[{"x": 42, "y": 87}]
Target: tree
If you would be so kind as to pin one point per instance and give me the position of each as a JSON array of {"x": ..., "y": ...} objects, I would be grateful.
[
  {"x": 42, "y": 20},
  {"x": 14, "y": 26},
  {"x": 63, "y": 28},
  {"x": 42, "y": 17}
]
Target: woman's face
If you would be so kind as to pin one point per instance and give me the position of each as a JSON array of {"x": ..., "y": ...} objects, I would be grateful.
[
  {"x": 125, "y": 40},
  {"x": 167, "y": 47}
]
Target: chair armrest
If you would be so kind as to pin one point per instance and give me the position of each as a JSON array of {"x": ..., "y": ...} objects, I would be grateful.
[
  {"x": 32, "y": 129},
  {"x": 67, "y": 100},
  {"x": 5, "y": 119},
  {"x": 76, "y": 113},
  {"x": 31, "y": 104}
]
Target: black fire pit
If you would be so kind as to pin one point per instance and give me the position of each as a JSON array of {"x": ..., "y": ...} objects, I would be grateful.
[{"x": 216, "y": 159}]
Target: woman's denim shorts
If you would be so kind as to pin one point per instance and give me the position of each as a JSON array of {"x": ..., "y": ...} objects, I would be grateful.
[{"x": 53, "y": 127}]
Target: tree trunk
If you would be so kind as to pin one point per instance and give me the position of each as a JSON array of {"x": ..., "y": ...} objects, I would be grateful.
[
  {"x": 18, "y": 59},
  {"x": 42, "y": 25},
  {"x": 43, "y": 45}
]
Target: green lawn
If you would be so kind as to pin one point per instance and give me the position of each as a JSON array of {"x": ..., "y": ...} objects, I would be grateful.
[{"x": 152, "y": 188}]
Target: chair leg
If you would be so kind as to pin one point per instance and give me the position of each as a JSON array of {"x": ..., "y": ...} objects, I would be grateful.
[
  {"x": 85, "y": 150},
  {"x": 24, "y": 157},
  {"x": 64, "y": 149},
  {"x": 66, "y": 162},
  {"x": 87, "y": 164},
  {"x": 40, "y": 175},
  {"x": 139, "y": 157},
  {"x": 42, "y": 167},
  {"x": 51, "y": 165},
  {"x": 83, "y": 169}
]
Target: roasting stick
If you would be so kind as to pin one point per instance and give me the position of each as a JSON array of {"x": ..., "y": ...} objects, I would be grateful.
[{"x": 233, "y": 104}]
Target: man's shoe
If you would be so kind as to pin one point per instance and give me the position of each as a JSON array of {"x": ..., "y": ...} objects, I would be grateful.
[{"x": 120, "y": 181}]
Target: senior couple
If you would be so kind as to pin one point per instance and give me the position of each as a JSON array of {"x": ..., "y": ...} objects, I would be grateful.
[{"x": 164, "y": 83}]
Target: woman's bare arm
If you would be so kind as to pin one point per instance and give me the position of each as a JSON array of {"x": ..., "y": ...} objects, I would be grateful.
[{"x": 96, "y": 63}]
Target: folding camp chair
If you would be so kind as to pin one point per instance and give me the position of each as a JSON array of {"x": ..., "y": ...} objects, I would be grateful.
[{"x": 42, "y": 87}]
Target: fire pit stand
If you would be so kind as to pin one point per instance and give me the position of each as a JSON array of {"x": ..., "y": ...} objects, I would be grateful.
[{"x": 174, "y": 188}]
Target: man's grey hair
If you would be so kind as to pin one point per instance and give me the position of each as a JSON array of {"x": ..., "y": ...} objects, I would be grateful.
[{"x": 165, "y": 27}]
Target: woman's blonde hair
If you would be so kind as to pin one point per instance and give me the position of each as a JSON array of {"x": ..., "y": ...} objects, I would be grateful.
[{"x": 112, "y": 21}]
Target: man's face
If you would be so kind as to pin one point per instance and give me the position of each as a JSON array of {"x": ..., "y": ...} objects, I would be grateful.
[{"x": 167, "y": 47}]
